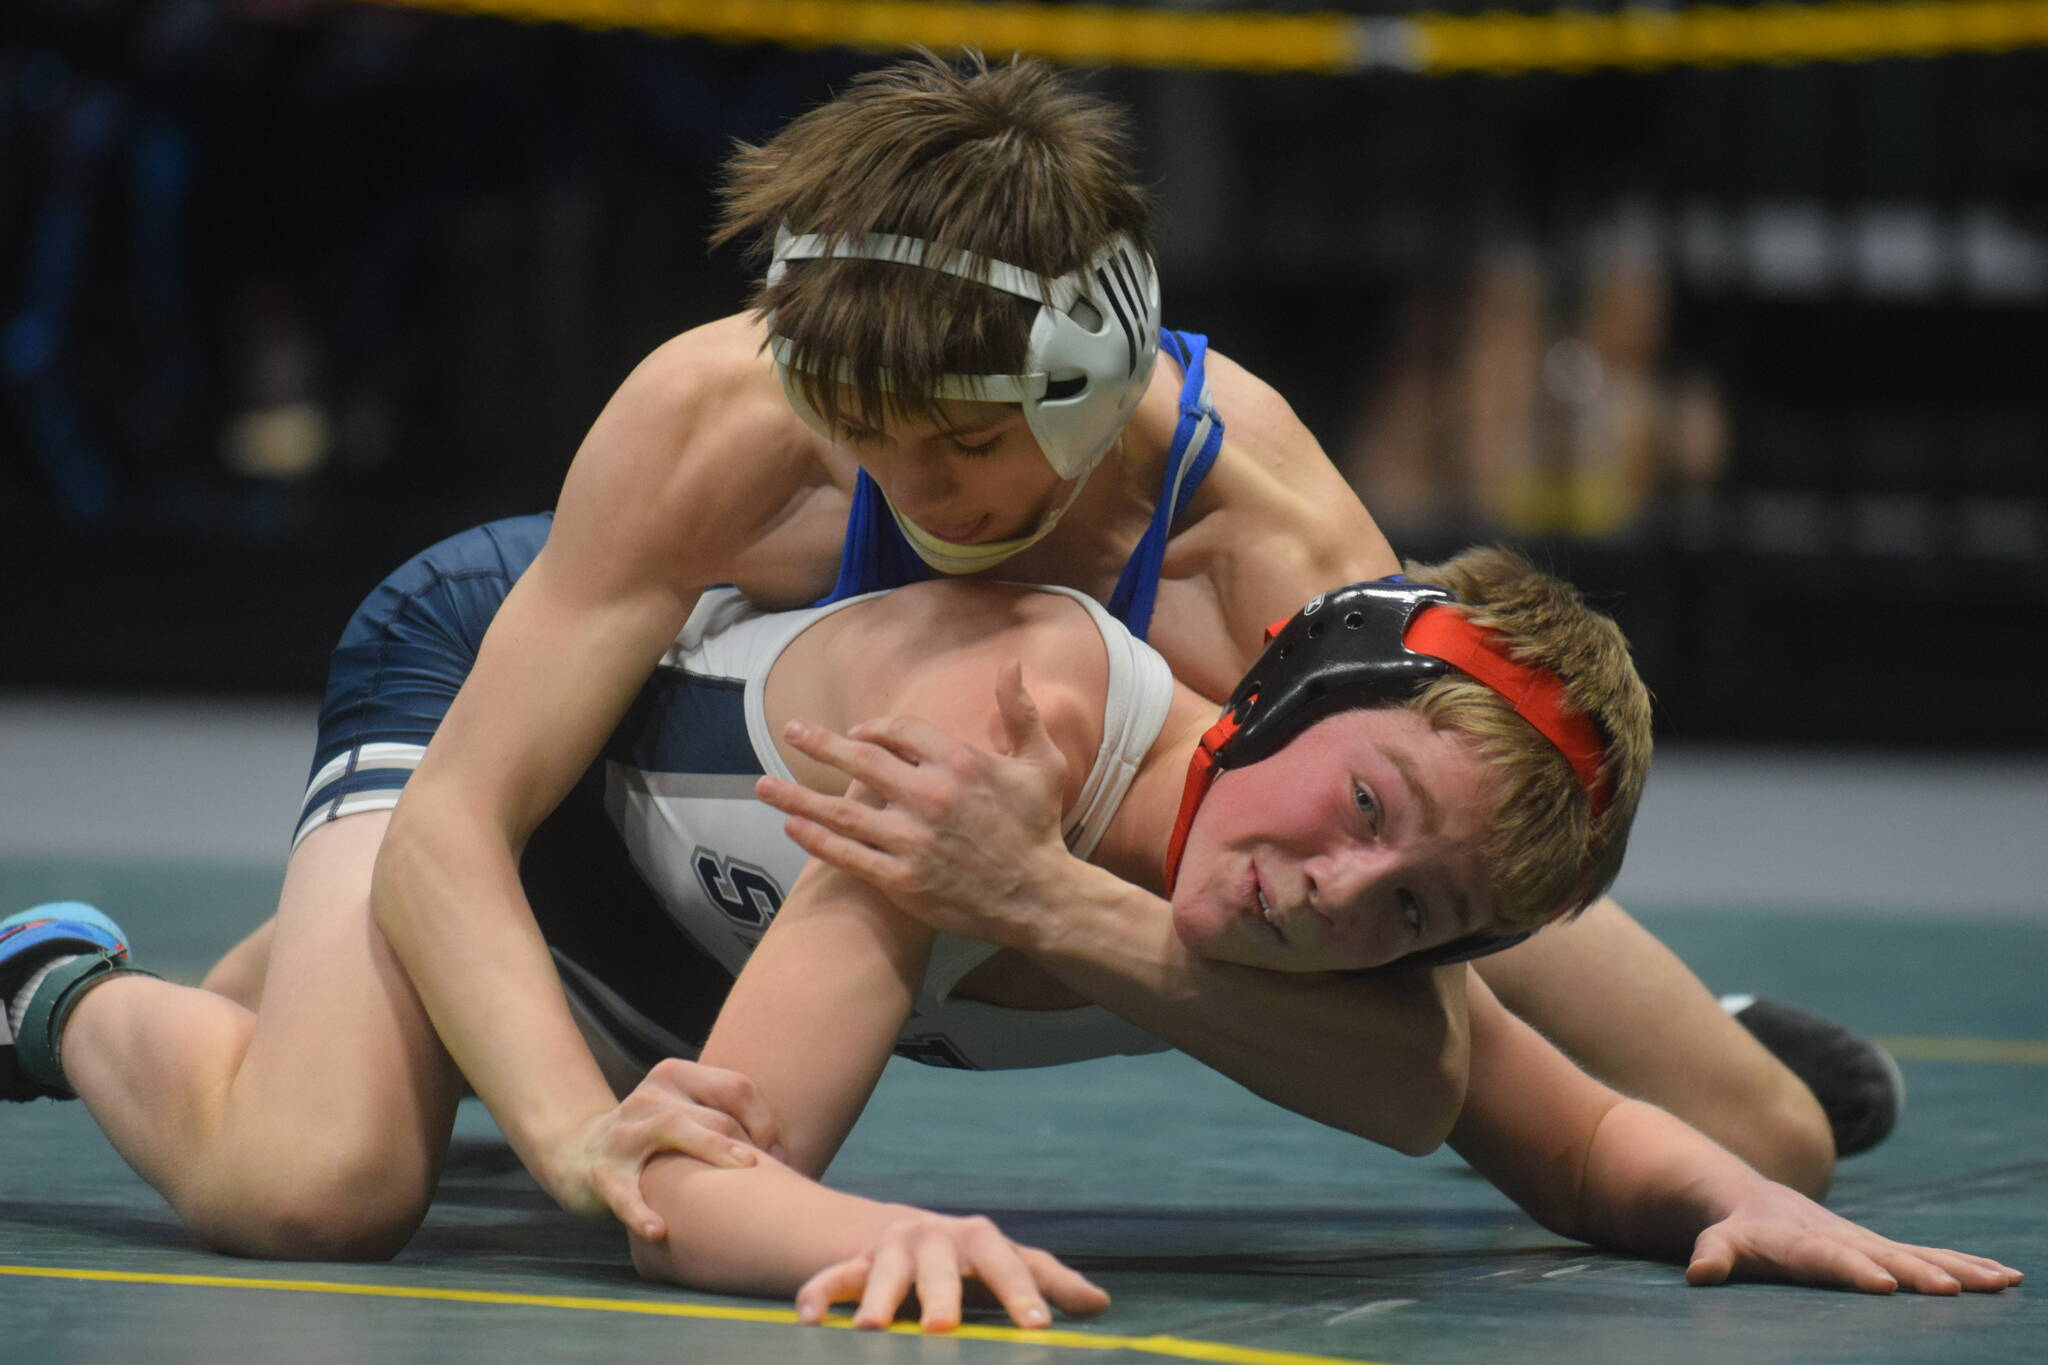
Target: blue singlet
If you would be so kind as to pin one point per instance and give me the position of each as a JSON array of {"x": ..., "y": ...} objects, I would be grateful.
[{"x": 877, "y": 556}]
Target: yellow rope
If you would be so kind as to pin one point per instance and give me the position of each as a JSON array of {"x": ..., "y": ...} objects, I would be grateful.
[
  {"x": 1326, "y": 43},
  {"x": 1715, "y": 36},
  {"x": 1089, "y": 35}
]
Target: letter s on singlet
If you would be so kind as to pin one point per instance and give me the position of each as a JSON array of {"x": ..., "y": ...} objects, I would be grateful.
[{"x": 748, "y": 896}]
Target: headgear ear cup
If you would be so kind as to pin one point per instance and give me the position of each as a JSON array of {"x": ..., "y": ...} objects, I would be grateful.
[
  {"x": 1092, "y": 343},
  {"x": 1097, "y": 354}
]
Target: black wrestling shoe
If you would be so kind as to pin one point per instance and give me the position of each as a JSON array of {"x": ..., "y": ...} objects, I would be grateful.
[{"x": 1856, "y": 1081}]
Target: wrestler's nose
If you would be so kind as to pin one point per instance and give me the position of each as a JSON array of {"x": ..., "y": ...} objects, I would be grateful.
[
  {"x": 923, "y": 486},
  {"x": 1344, "y": 886}
]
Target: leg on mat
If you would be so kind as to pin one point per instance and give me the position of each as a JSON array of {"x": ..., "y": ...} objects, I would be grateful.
[
  {"x": 313, "y": 1128},
  {"x": 1858, "y": 1083}
]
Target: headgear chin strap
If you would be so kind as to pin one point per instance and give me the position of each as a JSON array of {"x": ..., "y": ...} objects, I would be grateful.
[
  {"x": 954, "y": 557},
  {"x": 1367, "y": 645},
  {"x": 1086, "y": 365}
]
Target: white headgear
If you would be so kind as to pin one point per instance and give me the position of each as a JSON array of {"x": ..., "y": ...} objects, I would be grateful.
[{"x": 1091, "y": 349}]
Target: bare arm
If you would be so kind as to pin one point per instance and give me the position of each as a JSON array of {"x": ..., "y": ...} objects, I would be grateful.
[
  {"x": 1273, "y": 525},
  {"x": 812, "y": 1019},
  {"x": 969, "y": 842},
  {"x": 1591, "y": 1165},
  {"x": 447, "y": 892},
  {"x": 571, "y": 644},
  {"x": 1379, "y": 1059}
]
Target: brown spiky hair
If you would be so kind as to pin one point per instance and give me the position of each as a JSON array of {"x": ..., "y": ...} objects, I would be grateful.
[
  {"x": 1547, "y": 857},
  {"x": 1009, "y": 161}
]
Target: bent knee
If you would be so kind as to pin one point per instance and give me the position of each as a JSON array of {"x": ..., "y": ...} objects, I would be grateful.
[
  {"x": 1786, "y": 1137},
  {"x": 313, "y": 1229},
  {"x": 366, "y": 1213},
  {"x": 1808, "y": 1148}
]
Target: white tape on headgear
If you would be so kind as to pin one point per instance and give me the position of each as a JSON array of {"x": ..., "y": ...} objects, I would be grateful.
[{"x": 1091, "y": 349}]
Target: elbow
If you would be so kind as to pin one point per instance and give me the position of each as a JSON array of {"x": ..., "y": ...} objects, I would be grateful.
[
  {"x": 1421, "y": 1096},
  {"x": 672, "y": 1259},
  {"x": 1414, "y": 1106},
  {"x": 1790, "y": 1142},
  {"x": 655, "y": 1260},
  {"x": 690, "y": 1253},
  {"x": 1436, "y": 1100},
  {"x": 426, "y": 852},
  {"x": 1442, "y": 1072}
]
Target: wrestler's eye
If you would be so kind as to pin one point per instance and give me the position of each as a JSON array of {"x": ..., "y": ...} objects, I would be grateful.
[
  {"x": 1412, "y": 913},
  {"x": 860, "y": 436},
  {"x": 984, "y": 448},
  {"x": 1368, "y": 805}
]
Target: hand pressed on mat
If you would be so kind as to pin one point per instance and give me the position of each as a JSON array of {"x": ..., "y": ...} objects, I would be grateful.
[
  {"x": 935, "y": 1254},
  {"x": 1775, "y": 1233}
]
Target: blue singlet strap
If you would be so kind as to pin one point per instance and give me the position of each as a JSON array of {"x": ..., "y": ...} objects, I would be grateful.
[
  {"x": 875, "y": 555},
  {"x": 1196, "y": 440}
]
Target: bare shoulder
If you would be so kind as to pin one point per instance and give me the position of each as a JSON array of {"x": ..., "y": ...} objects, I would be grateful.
[
  {"x": 937, "y": 638},
  {"x": 695, "y": 460},
  {"x": 1262, "y": 411},
  {"x": 934, "y": 650},
  {"x": 1273, "y": 524},
  {"x": 1263, "y": 434}
]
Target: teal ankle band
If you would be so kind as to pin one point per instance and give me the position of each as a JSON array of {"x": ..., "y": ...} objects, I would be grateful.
[{"x": 36, "y": 1048}]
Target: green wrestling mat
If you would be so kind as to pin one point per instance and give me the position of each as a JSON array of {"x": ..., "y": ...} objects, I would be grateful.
[{"x": 1226, "y": 1230}]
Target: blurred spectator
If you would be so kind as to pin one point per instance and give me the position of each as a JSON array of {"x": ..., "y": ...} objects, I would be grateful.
[{"x": 1534, "y": 393}]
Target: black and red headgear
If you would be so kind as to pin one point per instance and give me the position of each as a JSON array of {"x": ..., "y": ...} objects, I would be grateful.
[{"x": 1370, "y": 644}]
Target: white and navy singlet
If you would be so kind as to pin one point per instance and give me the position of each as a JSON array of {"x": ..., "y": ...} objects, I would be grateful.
[{"x": 660, "y": 871}]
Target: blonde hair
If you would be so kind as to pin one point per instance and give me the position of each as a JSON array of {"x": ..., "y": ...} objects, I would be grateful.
[
  {"x": 1007, "y": 161},
  {"x": 1547, "y": 856}
]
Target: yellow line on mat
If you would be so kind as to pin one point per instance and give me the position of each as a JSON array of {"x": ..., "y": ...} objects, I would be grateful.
[
  {"x": 1175, "y": 1347},
  {"x": 1993, "y": 1051}
]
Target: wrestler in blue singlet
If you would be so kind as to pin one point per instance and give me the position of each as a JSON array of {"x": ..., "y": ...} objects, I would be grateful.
[
  {"x": 409, "y": 647},
  {"x": 877, "y": 556}
]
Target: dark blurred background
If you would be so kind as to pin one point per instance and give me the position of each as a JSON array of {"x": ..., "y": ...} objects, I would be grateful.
[{"x": 1755, "y": 353}]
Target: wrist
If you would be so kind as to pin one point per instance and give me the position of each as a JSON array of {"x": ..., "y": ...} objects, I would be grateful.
[
  {"x": 1710, "y": 1198},
  {"x": 1081, "y": 905},
  {"x": 548, "y": 1159},
  {"x": 553, "y": 1149}
]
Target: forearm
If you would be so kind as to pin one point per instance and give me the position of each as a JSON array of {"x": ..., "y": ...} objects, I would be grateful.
[
  {"x": 815, "y": 1012},
  {"x": 1579, "y": 1158},
  {"x": 811, "y": 1018},
  {"x": 1384, "y": 1059},
  {"x": 1653, "y": 1183},
  {"x": 450, "y": 902},
  {"x": 763, "y": 1229}
]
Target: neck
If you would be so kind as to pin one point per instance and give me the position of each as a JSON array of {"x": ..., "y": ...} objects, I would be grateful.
[
  {"x": 1134, "y": 845},
  {"x": 1092, "y": 542}
]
